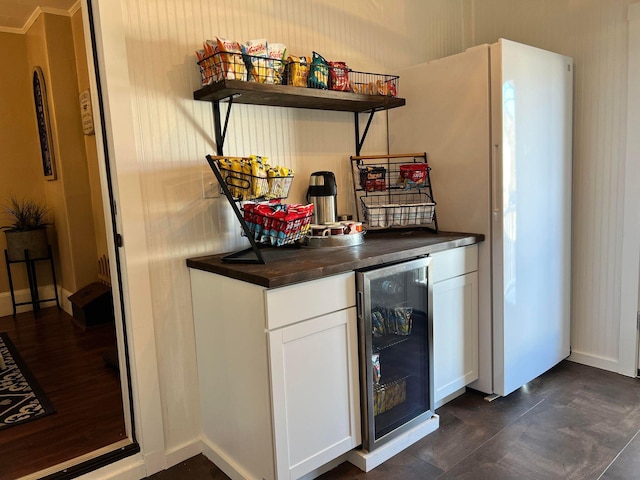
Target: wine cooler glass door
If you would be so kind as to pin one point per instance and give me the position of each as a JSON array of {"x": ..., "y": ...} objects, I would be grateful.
[{"x": 395, "y": 324}]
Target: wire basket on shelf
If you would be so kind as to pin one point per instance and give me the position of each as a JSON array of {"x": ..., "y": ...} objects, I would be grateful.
[
  {"x": 238, "y": 66},
  {"x": 277, "y": 224},
  {"x": 367, "y": 83},
  {"x": 389, "y": 395},
  {"x": 397, "y": 210},
  {"x": 249, "y": 179},
  {"x": 235, "y": 65},
  {"x": 394, "y": 191}
]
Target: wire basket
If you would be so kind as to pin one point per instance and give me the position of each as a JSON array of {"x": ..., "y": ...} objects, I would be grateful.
[
  {"x": 221, "y": 66},
  {"x": 277, "y": 224},
  {"x": 389, "y": 395},
  {"x": 397, "y": 210},
  {"x": 238, "y": 66},
  {"x": 374, "y": 83},
  {"x": 247, "y": 186}
]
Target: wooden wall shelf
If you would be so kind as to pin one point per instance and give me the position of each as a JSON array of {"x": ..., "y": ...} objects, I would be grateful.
[{"x": 296, "y": 97}]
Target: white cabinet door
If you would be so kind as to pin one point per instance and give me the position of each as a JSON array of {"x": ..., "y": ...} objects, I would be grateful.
[
  {"x": 315, "y": 392},
  {"x": 455, "y": 335}
]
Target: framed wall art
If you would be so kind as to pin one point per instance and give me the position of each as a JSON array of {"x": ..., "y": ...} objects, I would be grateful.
[{"x": 44, "y": 125}]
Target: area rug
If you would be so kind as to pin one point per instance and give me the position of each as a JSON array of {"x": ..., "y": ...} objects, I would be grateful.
[{"x": 21, "y": 397}]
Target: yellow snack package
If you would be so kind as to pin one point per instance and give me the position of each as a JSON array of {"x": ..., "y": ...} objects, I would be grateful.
[{"x": 298, "y": 70}]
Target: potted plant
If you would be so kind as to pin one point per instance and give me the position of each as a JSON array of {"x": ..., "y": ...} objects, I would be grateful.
[{"x": 27, "y": 230}]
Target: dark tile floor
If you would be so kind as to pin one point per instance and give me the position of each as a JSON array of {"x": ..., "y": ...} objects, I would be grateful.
[{"x": 574, "y": 422}]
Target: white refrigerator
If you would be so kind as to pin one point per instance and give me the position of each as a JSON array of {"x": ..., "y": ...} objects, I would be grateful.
[{"x": 496, "y": 123}]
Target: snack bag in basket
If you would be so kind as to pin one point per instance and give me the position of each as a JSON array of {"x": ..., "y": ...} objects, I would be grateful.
[
  {"x": 256, "y": 57},
  {"x": 318, "y": 72},
  {"x": 207, "y": 72},
  {"x": 339, "y": 76},
  {"x": 232, "y": 65},
  {"x": 277, "y": 52},
  {"x": 298, "y": 70}
]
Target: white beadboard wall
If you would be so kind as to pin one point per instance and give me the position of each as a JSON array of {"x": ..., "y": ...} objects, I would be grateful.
[
  {"x": 174, "y": 133},
  {"x": 594, "y": 33}
]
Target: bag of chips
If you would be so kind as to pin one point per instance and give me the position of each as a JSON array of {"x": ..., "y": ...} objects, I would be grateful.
[
  {"x": 229, "y": 57},
  {"x": 339, "y": 76},
  {"x": 256, "y": 57},
  {"x": 298, "y": 70},
  {"x": 277, "y": 52},
  {"x": 318, "y": 72}
]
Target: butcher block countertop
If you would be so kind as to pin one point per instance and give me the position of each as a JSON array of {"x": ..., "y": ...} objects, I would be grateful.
[{"x": 288, "y": 265}]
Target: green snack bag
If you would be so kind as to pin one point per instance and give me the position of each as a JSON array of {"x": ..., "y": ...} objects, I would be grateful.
[{"x": 318, "y": 72}]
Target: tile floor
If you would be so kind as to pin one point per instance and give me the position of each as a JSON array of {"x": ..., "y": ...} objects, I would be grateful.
[{"x": 574, "y": 422}]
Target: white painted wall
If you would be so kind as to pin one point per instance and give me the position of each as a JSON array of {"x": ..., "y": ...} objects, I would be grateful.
[
  {"x": 631, "y": 235},
  {"x": 162, "y": 136}
]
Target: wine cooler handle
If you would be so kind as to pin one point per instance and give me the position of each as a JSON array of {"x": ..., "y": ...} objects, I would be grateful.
[{"x": 359, "y": 303}]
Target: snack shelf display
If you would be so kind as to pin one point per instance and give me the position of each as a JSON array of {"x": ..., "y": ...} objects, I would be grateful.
[
  {"x": 394, "y": 191},
  {"x": 362, "y": 101},
  {"x": 254, "y": 195}
]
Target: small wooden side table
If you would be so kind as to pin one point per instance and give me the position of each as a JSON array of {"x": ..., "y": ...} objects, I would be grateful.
[{"x": 30, "y": 264}]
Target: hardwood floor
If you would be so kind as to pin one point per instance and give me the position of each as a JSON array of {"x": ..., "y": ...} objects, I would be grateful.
[
  {"x": 574, "y": 422},
  {"x": 68, "y": 364}
]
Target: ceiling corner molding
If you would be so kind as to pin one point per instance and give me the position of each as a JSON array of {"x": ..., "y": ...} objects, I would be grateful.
[
  {"x": 36, "y": 13},
  {"x": 11, "y": 30},
  {"x": 76, "y": 6},
  {"x": 30, "y": 21}
]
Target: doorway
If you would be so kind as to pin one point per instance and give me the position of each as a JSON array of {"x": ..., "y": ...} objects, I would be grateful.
[{"x": 63, "y": 355}]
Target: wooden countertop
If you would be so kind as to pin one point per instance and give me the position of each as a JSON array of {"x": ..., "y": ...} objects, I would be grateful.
[{"x": 288, "y": 265}]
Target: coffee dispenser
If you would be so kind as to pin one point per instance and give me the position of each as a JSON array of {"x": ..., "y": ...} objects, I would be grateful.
[{"x": 322, "y": 193}]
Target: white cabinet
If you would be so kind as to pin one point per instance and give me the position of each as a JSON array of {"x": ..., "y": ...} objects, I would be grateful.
[
  {"x": 278, "y": 372},
  {"x": 455, "y": 322},
  {"x": 314, "y": 371}
]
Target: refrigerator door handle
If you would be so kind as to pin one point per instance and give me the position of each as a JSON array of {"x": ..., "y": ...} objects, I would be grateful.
[
  {"x": 359, "y": 303},
  {"x": 495, "y": 180}
]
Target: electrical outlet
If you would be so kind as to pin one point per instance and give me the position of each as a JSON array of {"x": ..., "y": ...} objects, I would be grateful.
[{"x": 210, "y": 187}]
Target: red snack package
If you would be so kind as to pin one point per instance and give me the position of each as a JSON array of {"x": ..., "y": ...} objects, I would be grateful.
[{"x": 339, "y": 76}]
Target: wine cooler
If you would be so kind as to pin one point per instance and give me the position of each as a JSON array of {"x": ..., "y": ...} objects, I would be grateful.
[{"x": 395, "y": 330}]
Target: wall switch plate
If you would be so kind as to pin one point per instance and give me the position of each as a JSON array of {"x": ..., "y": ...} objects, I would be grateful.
[{"x": 210, "y": 187}]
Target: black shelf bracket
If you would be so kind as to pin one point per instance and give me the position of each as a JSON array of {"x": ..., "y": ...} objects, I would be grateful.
[
  {"x": 238, "y": 257},
  {"x": 359, "y": 140},
  {"x": 221, "y": 131}
]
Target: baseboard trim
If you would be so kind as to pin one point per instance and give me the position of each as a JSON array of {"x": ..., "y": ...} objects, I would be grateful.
[
  {"x": 184, "y": 452},
  {"x": 367, "y": 461},
  {"x": 596, "y": 361},
  {"x": 24, "y": 295},
  {"x": 230, "y": 468},
  {"x": 449, "y": 397}
]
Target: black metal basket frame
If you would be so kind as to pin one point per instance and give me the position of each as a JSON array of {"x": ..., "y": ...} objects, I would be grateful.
[
  {"x": 397, "y": 204},
  {"x": 276, "y": 71}
]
